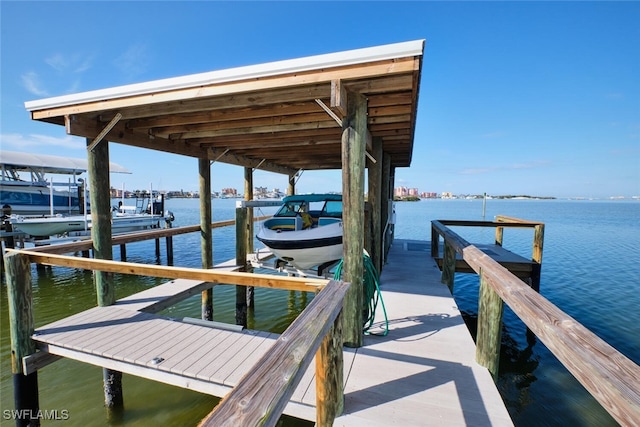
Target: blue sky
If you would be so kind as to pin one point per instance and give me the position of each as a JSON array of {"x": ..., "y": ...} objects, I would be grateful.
[{"x": 539, "y": 98}]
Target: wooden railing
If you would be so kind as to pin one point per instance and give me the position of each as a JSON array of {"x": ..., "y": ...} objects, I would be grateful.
[
  {"x": 610, "y": 377},
  {"x": 134, "y": 237},
  {"x": 273, "y": 379},
  {"x": 270, "y": 383},
  {"x": 454, "y": 244}
]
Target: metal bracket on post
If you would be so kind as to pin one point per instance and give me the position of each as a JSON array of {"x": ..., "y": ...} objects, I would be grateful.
[
  {"x": 104, "y": 131},
  {"x": 218, "y": 158},
  {"x": 333, "y": 115},
  {"x": 259, "y": 164}
]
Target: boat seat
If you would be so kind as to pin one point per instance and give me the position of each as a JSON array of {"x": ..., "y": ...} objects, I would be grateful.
[{"x": 327, "y": 220}]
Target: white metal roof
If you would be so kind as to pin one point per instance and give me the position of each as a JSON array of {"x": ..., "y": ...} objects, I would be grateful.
[
  {"x": 349, "y": 57},
  {"x": 51, "y": 164}
]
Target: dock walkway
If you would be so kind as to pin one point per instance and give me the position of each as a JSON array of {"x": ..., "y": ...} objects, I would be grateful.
[{"x": 422, "y": 373}]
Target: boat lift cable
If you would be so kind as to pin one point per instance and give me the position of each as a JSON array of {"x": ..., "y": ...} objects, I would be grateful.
[{"x": 372, "y": 295}]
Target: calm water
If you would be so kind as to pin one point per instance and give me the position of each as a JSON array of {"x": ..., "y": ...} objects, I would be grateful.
[{"x": 590, "y": 271}]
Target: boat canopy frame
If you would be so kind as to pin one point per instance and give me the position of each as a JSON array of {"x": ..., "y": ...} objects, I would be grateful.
[{"x": 269, "y": 116}]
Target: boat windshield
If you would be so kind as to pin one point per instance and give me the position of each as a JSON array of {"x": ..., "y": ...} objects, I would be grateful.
[
  {"x": 289, "y": 209},
  {"x": 329, "y": 208},
  {"x": 332, "y": 208}
]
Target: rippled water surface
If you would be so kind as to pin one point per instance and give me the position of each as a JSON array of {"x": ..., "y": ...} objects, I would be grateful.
[{"x": 590, "y": 270}]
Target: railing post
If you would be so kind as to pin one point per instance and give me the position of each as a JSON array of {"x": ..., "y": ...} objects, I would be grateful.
[
  {"x": 435, "y": 242},
  {"x": 329, "y": 376},
  {"x": 536, "y": 257},
  {"x": 499, "y": 235},
  {"x": 489, "y": 334},
  {"x": 248, "y": 195},
  {"x": 241, "y": 260},
  {"x": 448, "y": 265},
  {"x": 21, "y": 324}
]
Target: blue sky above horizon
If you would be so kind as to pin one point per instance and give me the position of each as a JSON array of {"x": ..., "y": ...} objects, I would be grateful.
[{"x": 538, "y": 98}]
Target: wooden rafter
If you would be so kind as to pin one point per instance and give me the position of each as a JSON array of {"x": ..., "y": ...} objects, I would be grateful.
[{"x": 280, "y": 121}]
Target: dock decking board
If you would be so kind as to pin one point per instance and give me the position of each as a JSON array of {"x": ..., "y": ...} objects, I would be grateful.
[
  {"x": 422, "y": 373},
  {"x": 517, "y": 264}
]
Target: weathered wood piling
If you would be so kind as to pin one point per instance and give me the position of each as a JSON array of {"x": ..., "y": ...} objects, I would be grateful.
[
  {"x": 354, "y": 136},
  {"x": 206, "y": 236},
  {"x": 21, "y": 322},
  {"x": 100, "y": 195}
]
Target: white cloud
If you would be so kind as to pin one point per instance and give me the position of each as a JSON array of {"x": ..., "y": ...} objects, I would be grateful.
[
  {"x": 530, "y": 165},
  {"x": 76, "y": 63},
  {"x": 57, "y": 62},
  {"x": 83, "y": 64},
  {"x": 476, "y": 171},
  {"x": 514, "y": 166},
  {"x": 134, "y": 61},
  {"x": 31, "y": 82},
  {"x": 19, "y": 141}
]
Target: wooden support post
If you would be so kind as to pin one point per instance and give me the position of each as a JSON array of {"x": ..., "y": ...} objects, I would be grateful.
[
  {"x": 353, "y": 147},
  {"x": 489, "y": 334},
  {"x": 206, "y": 235},
  {"x": 241, "y": 260},
  {"x": 98, "y": 162},
  {"x": 499, "y": 235},
  {"x": 435, "y": 243},
  {"x": 375, "y": 201},
  {"x": 123, "y": 252},
  {"x": 368, "y": 229},
  {"x": 291, "y": 188},
  {"x": 392, "y": 186},
  {"x": 21, "y": 324},
  {"x": 113, "y": 396},
  {"x": 448, "y": 265},
  {"x": 329, "y": 376},
  {"x": 538, "y": 241},
  {"x": 387, "y": 199},
  {"x": 248, "y": 195},
  {"x": 157, "y": 248},
  {"x": 169, "y": 244}
]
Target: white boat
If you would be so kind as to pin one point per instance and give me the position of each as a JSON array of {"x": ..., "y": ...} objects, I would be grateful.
[
  {"x": 306, "y": 231},
  {"x": 27, "y": 190},
  {"x": 45, "y": 226},
  {"x": 124, "y": 219}
]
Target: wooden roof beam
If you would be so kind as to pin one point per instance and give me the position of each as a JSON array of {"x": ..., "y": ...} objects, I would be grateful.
[
  {"x": 226, "y": 114},
  {"x": 254, "y": 130},
  {"x": 251, "y": 144},
  {"x": 237, "y": 124},
  {"x": 228, "y": 157}
]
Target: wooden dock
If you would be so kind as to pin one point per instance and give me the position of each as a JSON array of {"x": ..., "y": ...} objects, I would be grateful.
[{"x": 422, "y": 373}]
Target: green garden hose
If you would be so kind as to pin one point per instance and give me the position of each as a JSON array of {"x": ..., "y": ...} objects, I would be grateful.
[{"x": 371, "y": 293}]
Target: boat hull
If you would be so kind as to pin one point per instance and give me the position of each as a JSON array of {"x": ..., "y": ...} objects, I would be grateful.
[
  {"x": 57, "y": 225},
  {"x": 305, "y": 249},
  {"x": 50, "y": 226}
]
